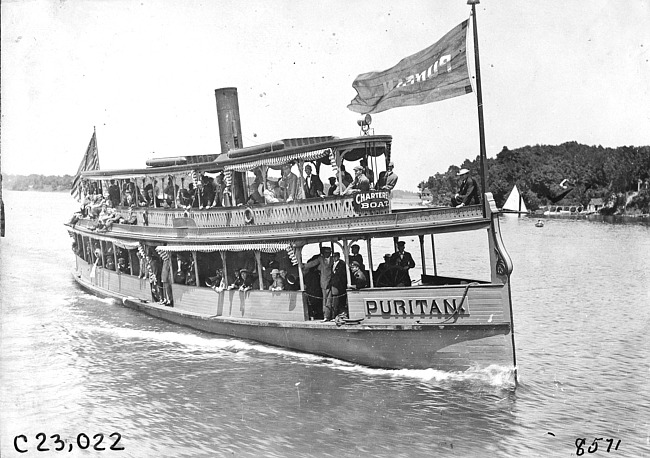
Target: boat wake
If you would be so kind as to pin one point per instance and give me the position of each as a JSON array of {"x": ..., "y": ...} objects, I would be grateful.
[
  {"x": 202, "y": 346},
  {"x": 494, "y": 375}
]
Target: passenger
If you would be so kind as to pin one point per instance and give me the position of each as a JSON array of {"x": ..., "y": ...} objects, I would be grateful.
[
  {"x": 122, "y": 266},
  {"x": 388, "y": 179},
  {"x": 167, "y": 280},
  {"x": 149, "y": 198},
  {"x": 339, "y": 286},
  {"x": 347, "y": 178},
  {"x": 468, "y": 193},
  {"x": 404, "y": 261},
  {"x": 190, "y": 274},
  {"x": 333, "y": 187},
  {"x": 289, "y": 183},
  {"x": 155, "y": 277},
  {"x": 184, "y": 197},
  {"x": 324, "y": 265},
  {"x": 243, "y": 282},
  {"x": 359, "y": 279},
  {"x": 207, "y": 191},
  {"x": 313, "y": 186},
  {"x": 114, "y": 194},
  {"x": 278, "y": 281},
  {"x": 254, "y": 196},
  {"x": 355, "y": 256},
  {"x": 380, "y": 273},
  {"x": 313, "y": 291},
  {"x": 128, "y": 189},
  {"x": 169, "y": 192},
  {"x": 272, "y": 193},
  {"x": 218, "y": 282},
  {"x": 367, "y": 171},
  {"x": 110, "y": 263},
  {"x": 359, "y": 184},
  {"x": 218, "y": 185},
  {"x": 194, "y": 195}
]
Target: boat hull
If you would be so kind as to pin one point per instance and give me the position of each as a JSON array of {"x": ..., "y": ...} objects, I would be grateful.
[{"x": 373, "y": 341}]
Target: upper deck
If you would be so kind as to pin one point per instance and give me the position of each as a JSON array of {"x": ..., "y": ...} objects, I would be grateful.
[
  {"x": 301, "y": 220},
  {"x": 225, "y": 210}
]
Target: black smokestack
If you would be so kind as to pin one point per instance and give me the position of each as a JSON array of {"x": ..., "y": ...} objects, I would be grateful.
[{"x": 228, "y": 116}]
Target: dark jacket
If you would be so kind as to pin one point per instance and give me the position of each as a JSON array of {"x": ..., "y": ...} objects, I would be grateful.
[
  {"x": 339, "y": 277},
  {"x": 316, "y": 188},
  {"x": 468, "y": 192}
]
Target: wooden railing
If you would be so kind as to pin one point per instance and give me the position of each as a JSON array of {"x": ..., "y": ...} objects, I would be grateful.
[{"x": 281, "y": 213}]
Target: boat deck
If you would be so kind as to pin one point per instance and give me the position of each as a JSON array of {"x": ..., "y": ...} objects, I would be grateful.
[{"x": 304, "y": 220}]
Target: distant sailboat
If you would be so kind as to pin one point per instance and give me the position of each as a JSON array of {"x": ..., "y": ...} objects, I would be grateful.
[{"x": 514, "y": 203}]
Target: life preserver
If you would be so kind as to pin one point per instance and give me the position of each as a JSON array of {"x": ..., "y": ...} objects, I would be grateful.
[{"x": 249, "y": 217}]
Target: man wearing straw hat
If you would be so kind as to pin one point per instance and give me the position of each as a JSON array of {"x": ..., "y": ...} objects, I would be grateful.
[{"x": 468, "y": 194}]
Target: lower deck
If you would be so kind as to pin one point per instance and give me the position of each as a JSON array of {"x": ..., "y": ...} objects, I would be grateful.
[{"x": 417, "y": 328}]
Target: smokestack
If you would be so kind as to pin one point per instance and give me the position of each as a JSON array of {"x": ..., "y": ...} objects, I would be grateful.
[{"x": 228, "y": 117}]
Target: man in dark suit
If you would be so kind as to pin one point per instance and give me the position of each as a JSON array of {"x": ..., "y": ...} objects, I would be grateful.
[
  {"x": 312, "y": 184},
  {"x": 388, "y": 179},
  {"x": 114, "y": 194},
  {"x": 339, "y": 285},
  {"x": 468, "y": 194},
  {"x": 324, "y": 264},
  {"x": 404, "y": 261}
]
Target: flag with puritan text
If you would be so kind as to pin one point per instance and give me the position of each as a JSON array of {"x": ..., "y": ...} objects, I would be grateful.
[
  {"x": 436, "y": 73},
  {"x": 90, "y": 161}
]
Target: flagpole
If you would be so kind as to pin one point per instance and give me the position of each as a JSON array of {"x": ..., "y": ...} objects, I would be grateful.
[{"x": 479, "y": 102}]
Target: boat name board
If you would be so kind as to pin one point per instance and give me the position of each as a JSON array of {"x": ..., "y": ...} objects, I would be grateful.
[
  {"x": 371, "y": 201},
  {"x": 440, "y": 307}
]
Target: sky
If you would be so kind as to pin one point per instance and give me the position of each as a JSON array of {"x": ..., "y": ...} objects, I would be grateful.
[{"x": 143, "y": 73}]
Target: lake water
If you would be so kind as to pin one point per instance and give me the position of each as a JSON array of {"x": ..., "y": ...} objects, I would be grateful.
[{"x": 77, "y": 366}]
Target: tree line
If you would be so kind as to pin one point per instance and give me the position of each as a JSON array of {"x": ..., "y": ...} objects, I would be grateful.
[
  {"x": 544, "y": 173},
  {"x": 37, "y": 182}
]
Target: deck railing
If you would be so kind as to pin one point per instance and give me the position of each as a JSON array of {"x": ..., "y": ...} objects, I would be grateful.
[{"x": 281, "y": 213}]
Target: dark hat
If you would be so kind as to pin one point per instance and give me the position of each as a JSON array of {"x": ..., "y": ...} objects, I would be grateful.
[
  {"x": 401, "y": 243},
  {"x": 332, "y": 179},
  {"x": 387, "y": 256}
]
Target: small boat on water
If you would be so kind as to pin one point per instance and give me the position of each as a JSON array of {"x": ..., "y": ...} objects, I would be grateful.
[
  {"x": 246, "y": 244},
  {"x": 539, "y": 223}
]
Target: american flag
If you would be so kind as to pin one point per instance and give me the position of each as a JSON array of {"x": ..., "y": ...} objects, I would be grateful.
[{"x": 89, "y": 162}]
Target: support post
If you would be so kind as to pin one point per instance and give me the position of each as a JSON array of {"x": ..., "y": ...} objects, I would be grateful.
[
  {"x": 300, "y": 274},
  {"x": 433, "y": 251},
  {"x": 258, "y": 261},
  {"x": 196, "y": 268},
  {"x": 370, "y": 267},
  {"x": 479, "y": 102},
  {"x": 424, "y": 265}
]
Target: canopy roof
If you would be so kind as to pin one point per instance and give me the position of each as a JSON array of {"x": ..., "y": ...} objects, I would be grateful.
[
  {"x": 307, "y": 149},
  {"x": 271, "y": 154}
]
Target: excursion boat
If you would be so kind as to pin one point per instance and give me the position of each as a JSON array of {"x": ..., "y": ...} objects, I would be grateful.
[{"x": 223, "y": 250}]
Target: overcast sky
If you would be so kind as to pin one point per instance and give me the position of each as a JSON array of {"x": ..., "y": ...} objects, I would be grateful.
[{"x": 144, "y": 73}]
